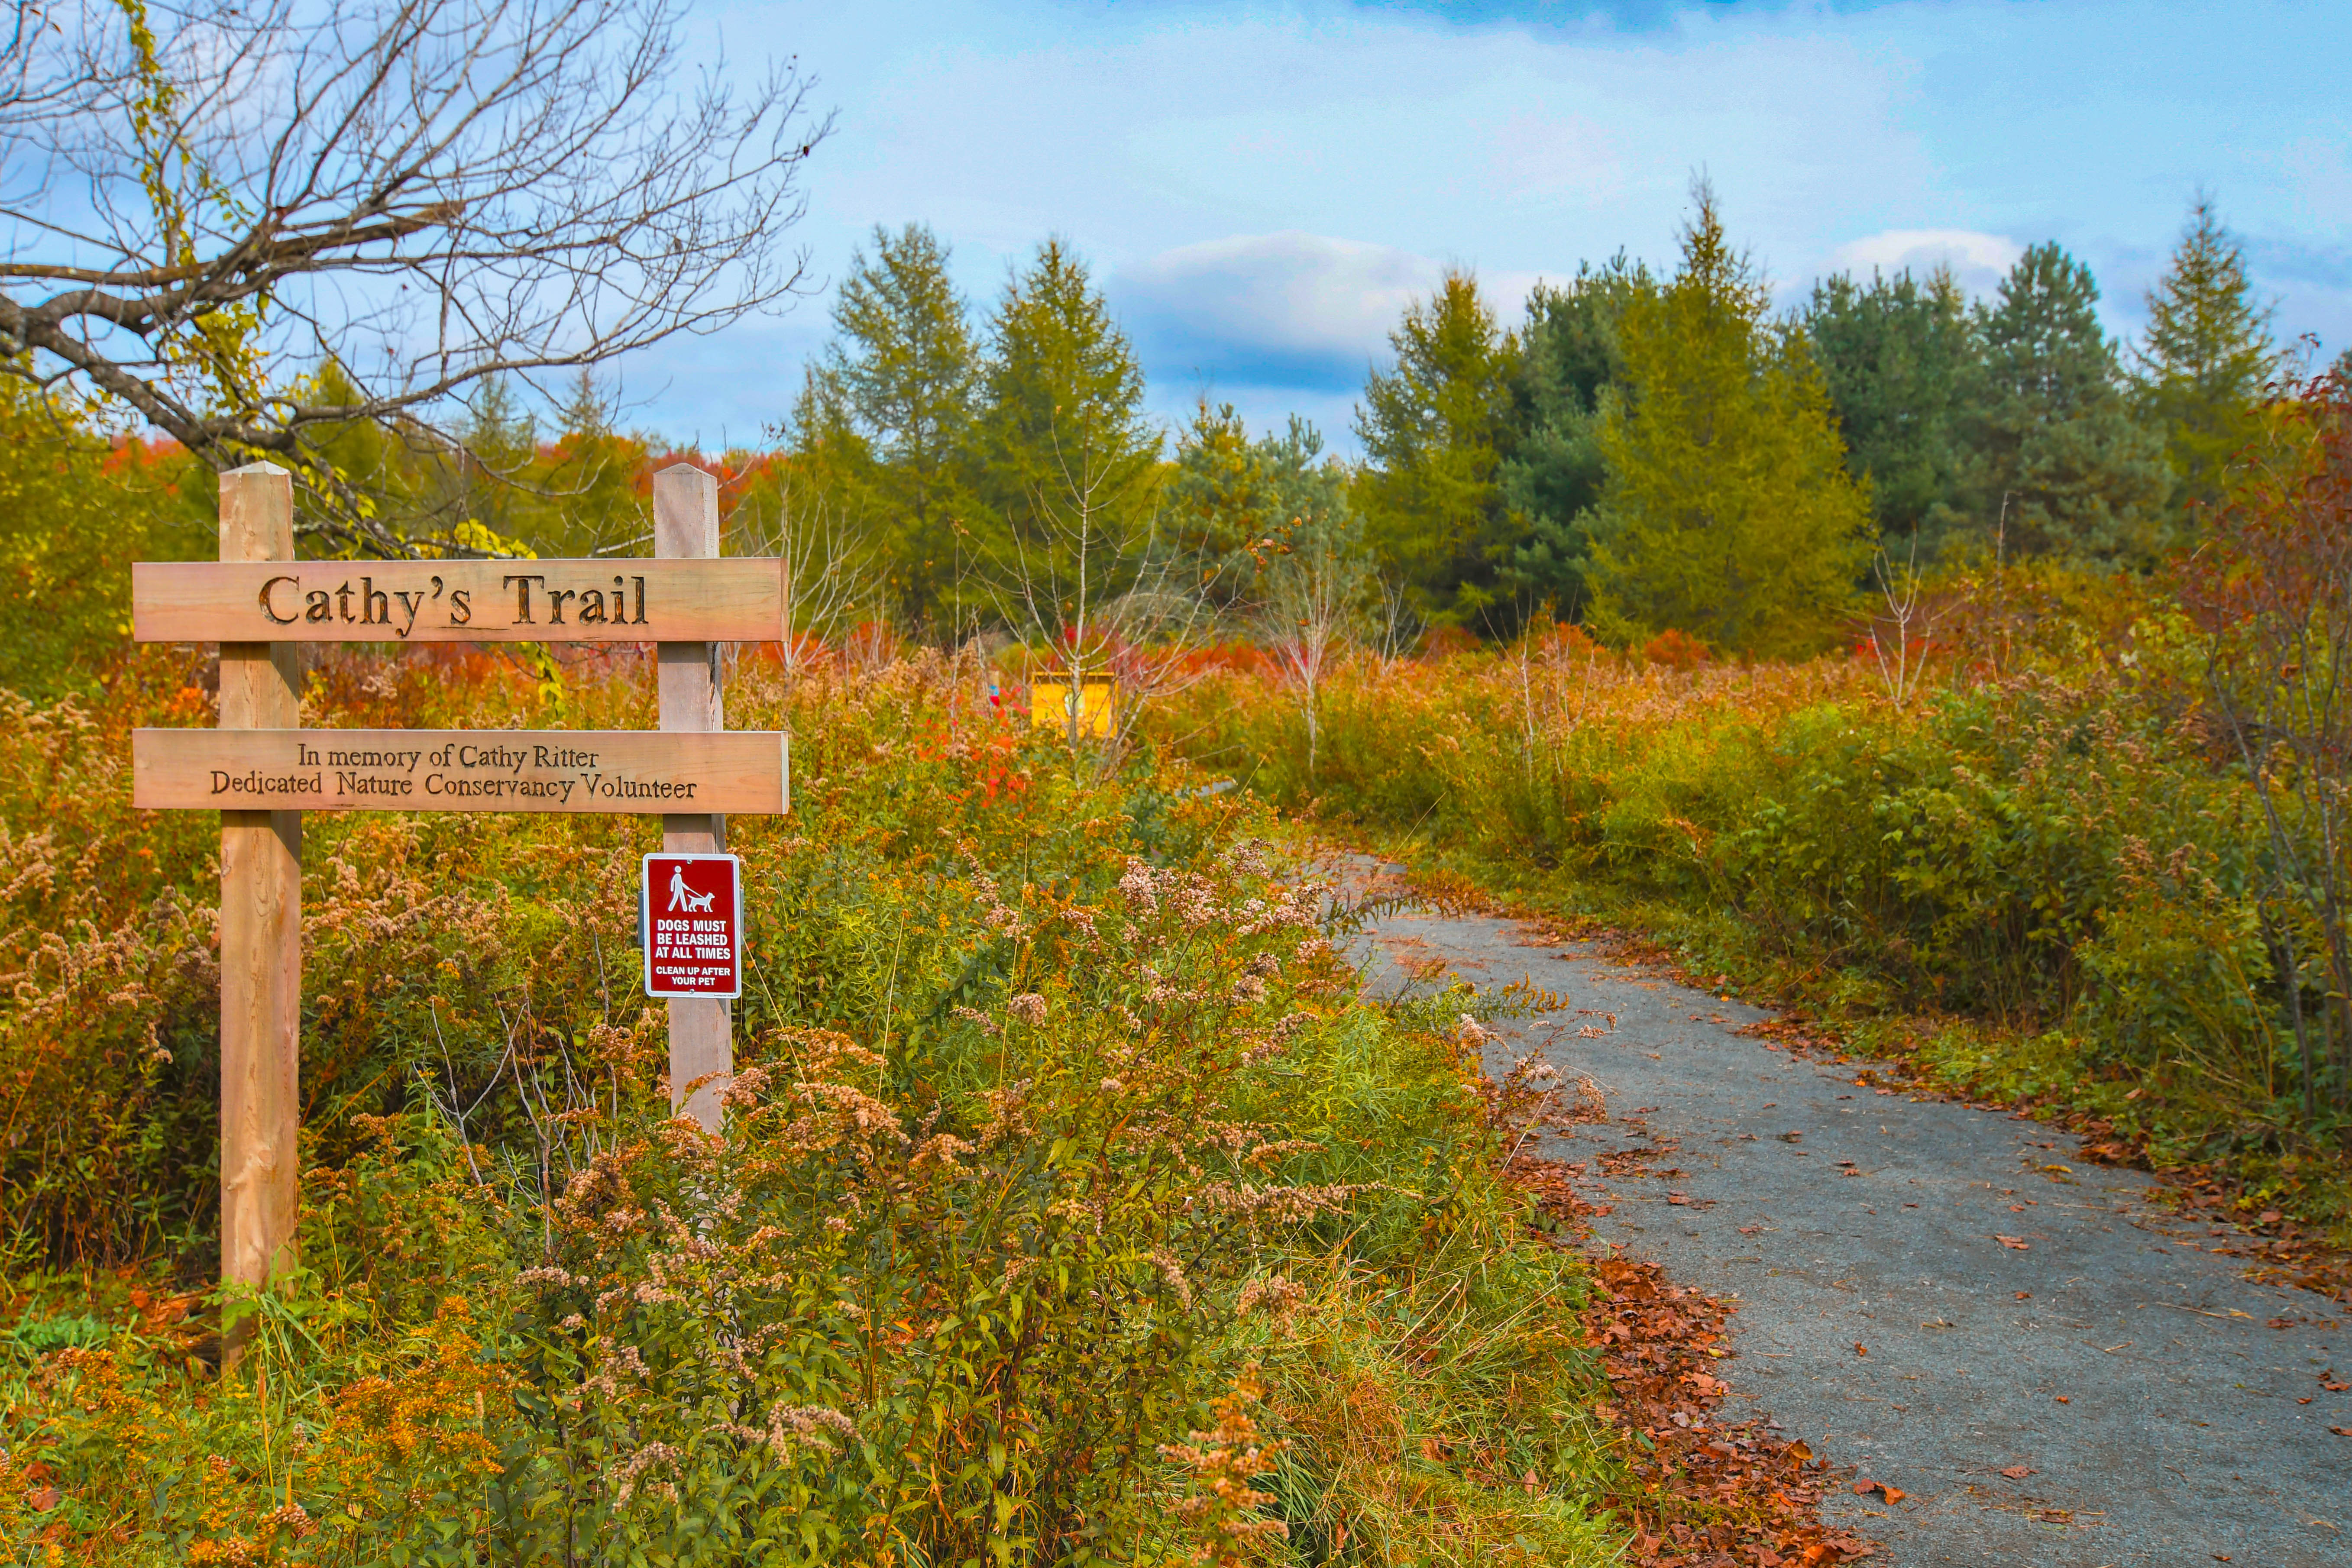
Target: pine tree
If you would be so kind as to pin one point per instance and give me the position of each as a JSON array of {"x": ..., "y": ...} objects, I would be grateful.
[
  {"x": 1217, "y": 500},
  {"x": 1570, "y": 355},
  {"x": 591, "y": 480},
  {"x": 1727, "y": 512},
  {"x": 1435, "y": 430},
  {"x": 1232, "y": 501},
  {"x": 498, "y": 443},
  {"x": 1898, "y": 358},
  {"x": 2204, "y": 362},
  {"x": 2068, "y": 469},
  {"x": 1069, "y": 461},
  {"x": 886, "y": 417}
]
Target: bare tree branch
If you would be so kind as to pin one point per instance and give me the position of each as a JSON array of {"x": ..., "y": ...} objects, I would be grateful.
[{"x": 205, "y": 199}]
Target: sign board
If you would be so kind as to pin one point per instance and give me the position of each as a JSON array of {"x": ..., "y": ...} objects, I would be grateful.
[
  {"x": 690, "y": 924},
  {"x": 731, "y": 773},
  {"x": 678, "y": 600},
  {"x": 1050, "y": 707}
]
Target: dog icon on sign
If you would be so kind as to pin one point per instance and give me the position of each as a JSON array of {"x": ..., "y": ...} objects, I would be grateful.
[{"x": 682, "y": 897}]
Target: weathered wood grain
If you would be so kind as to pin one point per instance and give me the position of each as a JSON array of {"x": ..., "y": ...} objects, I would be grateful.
[
  {"x": 648, "y": 772},
  {"x": 260, "y": 925},
  {"x": 737, "y": 600},
  {"x": 692, "y": 701}
]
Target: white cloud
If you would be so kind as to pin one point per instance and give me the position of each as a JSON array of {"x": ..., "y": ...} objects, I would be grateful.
[
  {"x": 1978, "y": 261},
  {"x": 1295, "y": 310},
  {"x": 1292, "y": 291},
  {"x": 1538, "y": 154}
]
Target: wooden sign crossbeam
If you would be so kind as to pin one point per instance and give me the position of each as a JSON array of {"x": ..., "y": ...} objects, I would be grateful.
[
  {"x": 738, "y": 772},
  {"x": 738, "y": 600},
  {"x": 261, "y": 771}
]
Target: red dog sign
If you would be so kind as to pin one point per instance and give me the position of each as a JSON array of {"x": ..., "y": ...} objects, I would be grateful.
[{"x": 690, "y": 915}]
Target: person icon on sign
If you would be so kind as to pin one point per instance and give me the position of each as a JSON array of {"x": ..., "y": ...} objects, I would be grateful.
[{"x": 683, "y": 897}]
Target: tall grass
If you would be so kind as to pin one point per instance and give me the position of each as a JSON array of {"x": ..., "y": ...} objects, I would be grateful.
[
  {"x": 1071, "y": 1207},
  {"x": 2047, "y": 862}
]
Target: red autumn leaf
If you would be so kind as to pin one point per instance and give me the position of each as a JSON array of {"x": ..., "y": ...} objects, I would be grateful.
[
  {"x": 2341, "y": 1431},
  {"x": 1860, "y": 1348},
  {"x": 2015, "y": 1242},
  {"x": 2017, "y": 1472},
  {"x": 1677, "y": 1199},
  {"x": 2064, "y": 1400}
]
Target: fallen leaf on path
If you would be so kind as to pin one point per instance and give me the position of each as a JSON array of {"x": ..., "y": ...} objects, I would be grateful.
[
  {"x": 2014, "y": 1243},
  {"x": 1865, "y": 1486},
  {"x": 2341, "y": 1431},
  {"x": 2017, "y": 1472},
  {"x": 1860, "y": 1348},
  {"x": 1750, "y": 1229},
  {"x": 1679, "y": 1200},
  {"x": 2025, "y": 1295},
  {"x": 1692, "y": 1472},
  {"x": 2064, "y": 1400}
]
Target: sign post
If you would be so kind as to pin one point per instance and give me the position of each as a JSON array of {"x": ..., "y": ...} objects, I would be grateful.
[
  {"x": 261, "y": 770},
  {"x": 260, "y": 925},
  {"x": 701, "y": 1028}
]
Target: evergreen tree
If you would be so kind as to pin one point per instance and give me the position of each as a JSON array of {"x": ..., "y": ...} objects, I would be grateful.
[
  {"x": 1899, "y": 359},
  {"x": 498, "y": 448},
  {"x": 1069, "y": 461},
  {"x": 2204, "y": 362},
  {"x": 1727, "y": 512},
  {"x": 1217, "y": 500},
  {"x": 1435, "y": 430},
  {"x": 1231, "y": 499},
  {"x": 2068, "y": 469},
  {"x": 1570, "y": 356},
  {"x": 892, "y": 404},
  {"x": 591, "y": 480}
]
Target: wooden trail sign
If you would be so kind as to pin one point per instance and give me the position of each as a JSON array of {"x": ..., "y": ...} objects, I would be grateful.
[
  {"x": 262, "y": 771},
  {"x": 738, "y": 772},
  {"x": 740, "y": 600}
]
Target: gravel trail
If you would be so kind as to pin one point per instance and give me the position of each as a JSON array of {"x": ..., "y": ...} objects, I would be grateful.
[{"x": 2132, "y": 1374}]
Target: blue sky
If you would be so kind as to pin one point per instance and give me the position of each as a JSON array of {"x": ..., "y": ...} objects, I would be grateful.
[{"x": 1261, "y": 187}]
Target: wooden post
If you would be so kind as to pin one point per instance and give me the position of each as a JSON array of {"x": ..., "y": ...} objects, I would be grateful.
[
  {"x": 701, "y": 1029},
  {"x": 260, "y": 925}
]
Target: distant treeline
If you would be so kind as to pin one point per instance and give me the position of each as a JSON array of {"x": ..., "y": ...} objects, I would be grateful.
[{"x": 1641, "y": 451}]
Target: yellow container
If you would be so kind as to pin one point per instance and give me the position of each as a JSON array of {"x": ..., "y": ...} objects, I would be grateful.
[{"x": 1049, "y": 707}]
